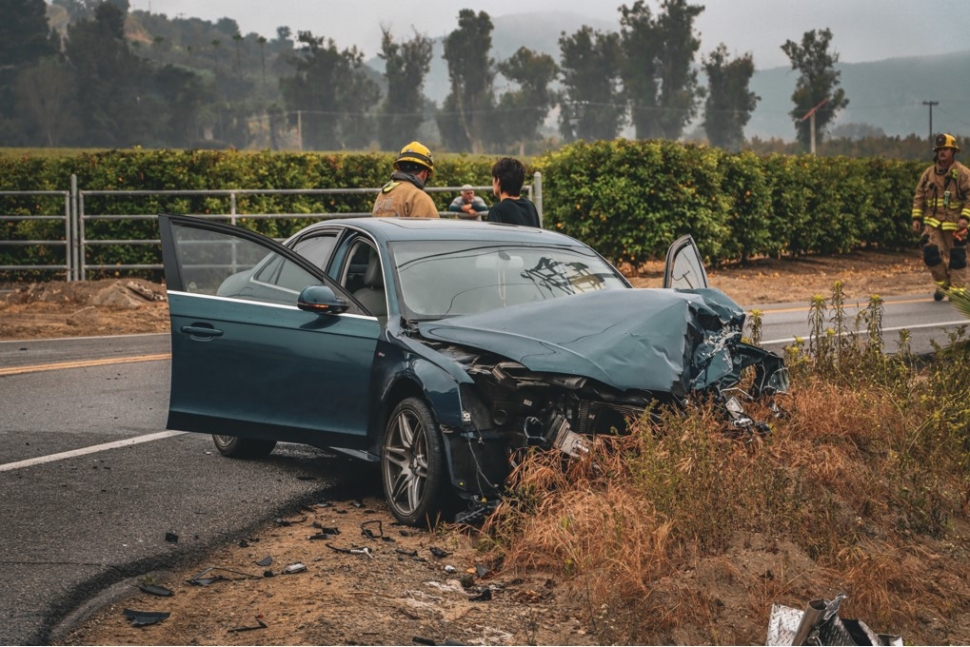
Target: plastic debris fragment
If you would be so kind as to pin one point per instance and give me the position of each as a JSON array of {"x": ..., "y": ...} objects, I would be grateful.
[{"x": 145, "y": 618}]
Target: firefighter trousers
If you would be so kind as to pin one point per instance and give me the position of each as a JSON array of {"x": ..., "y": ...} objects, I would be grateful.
[{"x": 946, "y": 257}]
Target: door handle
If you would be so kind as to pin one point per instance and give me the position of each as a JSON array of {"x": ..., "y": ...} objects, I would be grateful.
[{"x": 201, "y": 332}]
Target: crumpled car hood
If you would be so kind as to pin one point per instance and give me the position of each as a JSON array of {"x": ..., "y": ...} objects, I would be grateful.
[{"x": 657, "y": 340}]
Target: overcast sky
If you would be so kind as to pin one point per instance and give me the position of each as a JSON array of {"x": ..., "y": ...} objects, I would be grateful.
[{"x": 863, "y": 30}]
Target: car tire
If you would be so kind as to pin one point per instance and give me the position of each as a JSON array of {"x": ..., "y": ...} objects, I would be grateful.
[
  {"x": 413, "y": 471},
  {"x": 236, "y": 447}
]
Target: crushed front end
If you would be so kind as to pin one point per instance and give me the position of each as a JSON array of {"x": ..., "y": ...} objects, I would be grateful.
[{"x": 539, "y": 382}]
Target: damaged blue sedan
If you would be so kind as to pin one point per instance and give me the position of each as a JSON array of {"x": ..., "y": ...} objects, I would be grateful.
[{"x": 436, "y": 348}]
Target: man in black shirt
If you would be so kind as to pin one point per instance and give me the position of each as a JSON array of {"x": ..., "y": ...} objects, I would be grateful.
[{"x": 508, "y": 175}]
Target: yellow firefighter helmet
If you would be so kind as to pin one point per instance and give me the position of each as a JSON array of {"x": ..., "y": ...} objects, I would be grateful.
[
  {"x": 946, "y": 140},
  {"x": 415, "y": 153}
]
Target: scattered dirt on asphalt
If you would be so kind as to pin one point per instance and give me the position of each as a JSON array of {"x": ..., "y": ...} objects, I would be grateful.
[{"x": 401, "y": 586}]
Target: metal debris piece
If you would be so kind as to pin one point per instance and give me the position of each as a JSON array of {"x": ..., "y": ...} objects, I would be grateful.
[
  {"x": 155, "y": 589},
  {"x": 297, "y": 567},
  {"x": 355, "y": 550},
  {"x": 370, "y": 534},
  {"x": 260, "y": 625},
  {"x": 280, "y": 521},
  {"x": 484, "y": 596},
  {"x": 820, "y": 624},
  {"x": 199, "y": 580},
  {"x": 145, "y": 618}
]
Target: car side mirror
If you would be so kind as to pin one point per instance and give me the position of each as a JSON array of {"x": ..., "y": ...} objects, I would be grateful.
[{"x": 321, "y": 300}]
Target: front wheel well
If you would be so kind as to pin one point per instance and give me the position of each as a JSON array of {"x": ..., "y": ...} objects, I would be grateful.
[{"x": 401, "y": 390}]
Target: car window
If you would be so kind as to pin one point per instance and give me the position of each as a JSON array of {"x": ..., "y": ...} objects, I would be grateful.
[
  {"x": 355, "y": 265},
  {"x": 316, "y": 249},
  {"x": 684, "y": 268},
  {"x": 222, "y": 264},
  {"x": 444, "y": 278}
]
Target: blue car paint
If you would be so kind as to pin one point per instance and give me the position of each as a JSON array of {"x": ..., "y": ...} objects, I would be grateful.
[{"x": 270, "y": 364}]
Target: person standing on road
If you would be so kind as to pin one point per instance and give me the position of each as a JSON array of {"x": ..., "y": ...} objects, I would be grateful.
[
  {"x": 508, "y": 175},
  {"x": 468, "y": 206},
  {"x": 404, "y": 195},
  {"x": 941, "y": 211}
]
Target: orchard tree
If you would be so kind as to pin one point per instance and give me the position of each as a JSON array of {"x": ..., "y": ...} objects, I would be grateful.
[
  {"x": 113, "y": 79},
  {"x": 44, "y": 97},
  {"x": 591, "y": 103},
  {"x": 329, "y": 94},
  {"x": 25, "y": 39},
  {"x": 522, "y": 111},
  {"x": 729, "y": 101},
  {"x": 659, "y": 78},
  {"x": 819, "y": 81},
  {"x": 466, "y": 116},
  {"x": 405, "y": 67}
]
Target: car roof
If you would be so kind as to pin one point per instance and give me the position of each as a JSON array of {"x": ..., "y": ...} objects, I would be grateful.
[{"x": 420, "y": 229}]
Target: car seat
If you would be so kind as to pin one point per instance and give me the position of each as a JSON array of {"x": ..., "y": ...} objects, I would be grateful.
[{"x": 372, "y": 296}]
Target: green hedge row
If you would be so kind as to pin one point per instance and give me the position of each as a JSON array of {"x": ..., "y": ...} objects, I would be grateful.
[
  {"x": 631, "y": 199},
  {"x": 628, "y": 199}
]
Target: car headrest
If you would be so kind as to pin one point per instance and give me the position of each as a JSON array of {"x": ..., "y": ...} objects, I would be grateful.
[{"x": 373, "y": 277}]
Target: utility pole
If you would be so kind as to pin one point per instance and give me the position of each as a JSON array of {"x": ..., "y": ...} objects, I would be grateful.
[
  {"x": 931, "y": 104},
  {"x": 811, "y": 115},
  {"x": 299, "y": 128}
]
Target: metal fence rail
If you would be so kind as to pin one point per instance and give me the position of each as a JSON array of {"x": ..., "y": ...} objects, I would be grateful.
[
  {"x": 78, "y": 218},
  {"x": 64, "y": 243}
]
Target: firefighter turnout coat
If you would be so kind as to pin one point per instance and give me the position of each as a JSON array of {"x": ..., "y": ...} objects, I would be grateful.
[
  {"x": 403, "y": 198},
  {"x": 942, "y": 199}
]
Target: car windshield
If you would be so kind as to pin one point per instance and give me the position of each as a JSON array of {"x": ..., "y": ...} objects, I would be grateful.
[{"x": 447, "y": 278}]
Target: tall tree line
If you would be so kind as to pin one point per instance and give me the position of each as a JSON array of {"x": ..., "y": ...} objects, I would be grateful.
[{"x": 189, "y": 83}]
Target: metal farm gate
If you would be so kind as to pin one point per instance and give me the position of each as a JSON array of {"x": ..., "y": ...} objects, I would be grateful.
[{"x": 70, "y": 248}]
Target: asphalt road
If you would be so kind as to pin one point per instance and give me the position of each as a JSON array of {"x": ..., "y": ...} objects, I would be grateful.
[
  {"x": 92, "y": 483},
  {"x": 81, "y": 522},
  {"x": 926, "y": 320}
]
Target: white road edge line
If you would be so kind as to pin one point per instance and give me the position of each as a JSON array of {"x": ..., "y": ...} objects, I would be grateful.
[
  {"x": 89, "y": 450},
  {"x": 790, "y": 340}
]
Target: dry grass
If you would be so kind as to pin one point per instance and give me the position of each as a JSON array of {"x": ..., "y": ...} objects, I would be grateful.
[{"x": 858, "y": 491}]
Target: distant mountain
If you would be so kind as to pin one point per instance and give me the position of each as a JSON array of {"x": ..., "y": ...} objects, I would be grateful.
[{"x": 886, "y": 94}]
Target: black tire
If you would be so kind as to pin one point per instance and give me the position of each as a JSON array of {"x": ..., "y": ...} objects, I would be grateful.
[
  {"x": 236, "y": 447},
  {"x": 416, "y": 483}
]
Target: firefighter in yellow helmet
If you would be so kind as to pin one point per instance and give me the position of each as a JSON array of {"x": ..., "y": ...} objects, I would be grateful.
[
  {"x": 941, "y": 210},
  {"x": 404, "y": 195}
]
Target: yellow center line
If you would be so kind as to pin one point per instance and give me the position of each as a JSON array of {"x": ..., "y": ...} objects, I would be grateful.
[{"x": 58, "y": 366}]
